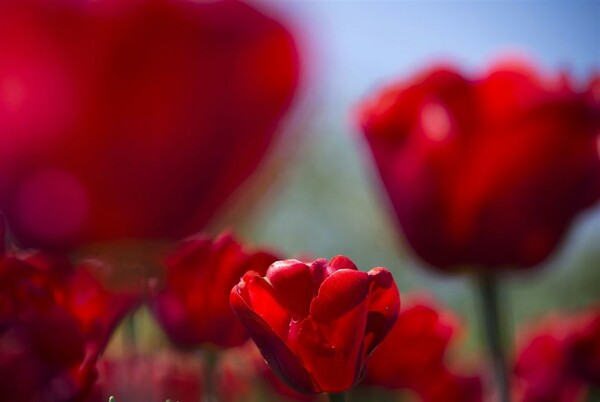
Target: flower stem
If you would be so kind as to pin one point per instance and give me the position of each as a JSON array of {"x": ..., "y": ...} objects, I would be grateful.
[
  {"x": 130, "y": 333},
  {"x": 340, "y": 397},
  {"x": 210, "y": 377},
  {"x": 488, "y": 286}
]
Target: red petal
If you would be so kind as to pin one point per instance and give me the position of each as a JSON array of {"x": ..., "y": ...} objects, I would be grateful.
[
  {"x": 260, "y": 262},
  {"x": 293, "y": 282},
  {"x": 280, "y": 358},
  {"x": 330, "y": 341},
  {"x": 98, "y": 310},
  {"x": 260, "y": 296},
  {"x": 340, "y": 262},
  {"x": 331, "y": 350},
  {"x": 341, "y": 292},
  {"x": 384, "y": 307},
  {"x": 319, "y": 270}
]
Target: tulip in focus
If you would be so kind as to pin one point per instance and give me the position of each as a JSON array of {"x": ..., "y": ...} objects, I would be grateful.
[
  {"x": 193, "y": 308},
  {"x": 133, "y": 118},
  {"x": 488, "y": 171},
  {"x": 316, "y": 323}
]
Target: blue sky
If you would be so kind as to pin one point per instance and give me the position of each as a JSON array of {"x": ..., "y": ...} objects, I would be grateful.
[{"x": 359, "y": 45}]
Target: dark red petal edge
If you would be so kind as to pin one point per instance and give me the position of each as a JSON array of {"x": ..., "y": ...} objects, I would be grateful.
[{"x": 384, "y": 307}]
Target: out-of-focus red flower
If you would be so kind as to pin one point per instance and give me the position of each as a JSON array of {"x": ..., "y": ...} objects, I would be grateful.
[
  {"x": 412, "y": 357},
  {"x": 193, "y": 308},
  {"x": 135, "y": 118},
  {"x": 558, "y": 360},
  {"x": 54, "y": 322},
  {"x": 541, "y": 372},
  {"x": 315, "y": 324},
  {"x": 584, "y": 354},
  {"x": 97, "y": 309},
  {"x": 153, "y": 378},
  {"x": 485, "y": 172}
]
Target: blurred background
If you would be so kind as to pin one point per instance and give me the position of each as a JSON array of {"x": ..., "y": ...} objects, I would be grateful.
[
  {"x": 317, "y": 194},
  {"x": 324, "y": 197}
]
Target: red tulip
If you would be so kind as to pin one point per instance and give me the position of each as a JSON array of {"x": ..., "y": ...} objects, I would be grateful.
[
  {"x": 487, "y": 171},
  {"x": 412, "y": 357},
  {"x": 133, "y": 118},
  {"x": 97, "y": 310},
  {"x": 315, "y": 324},
  {"x": 54, "y": 323},
  {"x": 584, "y": 354},
  {"x": 558, "y": 360},
  {"x": 193, "y": 308}
]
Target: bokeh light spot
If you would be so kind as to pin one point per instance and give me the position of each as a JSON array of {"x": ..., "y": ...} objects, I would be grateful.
[{"x": 435, "y": 121}]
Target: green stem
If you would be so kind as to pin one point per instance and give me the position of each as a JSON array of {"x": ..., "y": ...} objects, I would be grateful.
[
  {"x": 341, "y": 397},
  {"x": 130, "y": 333},
  {"x": 210, "y": 365},
  {"x": 492, "y": 322}
]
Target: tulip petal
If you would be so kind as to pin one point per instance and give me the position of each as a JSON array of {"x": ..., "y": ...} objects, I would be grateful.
[
  {"x": 285, "y": 363},
  {"x": 341, "y": 261},
  {"x": 292, "y": 281},
  {"x": 341, "y": 292},
  {"x": 330, "y": 341},
  {"x": 384, "y": 307},
  {"x": 260, "y": 296},
  {"x": 331, "y": 350}
]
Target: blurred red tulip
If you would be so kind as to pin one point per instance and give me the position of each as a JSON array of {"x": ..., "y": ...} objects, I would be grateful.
[
  {"x": 316, "y": 324},
  {"x": 193, "y": 308},
  {"x": 559, "y": 360},
  {"x": 54, "y": 322},
  {"x": 412, "y": 357},
  {"x": 134, "y": 118},
  {"x": 584, "y": 354},
  {"x": 485, "y": 172}
]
